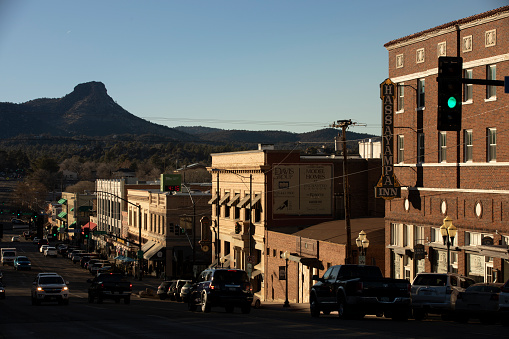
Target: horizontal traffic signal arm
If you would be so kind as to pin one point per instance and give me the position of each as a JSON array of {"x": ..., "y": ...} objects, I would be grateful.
[{"x": 483, "y": 82}]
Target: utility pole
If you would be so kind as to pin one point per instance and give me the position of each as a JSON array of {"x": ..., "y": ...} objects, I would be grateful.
[{"x": 346, "y": 189}]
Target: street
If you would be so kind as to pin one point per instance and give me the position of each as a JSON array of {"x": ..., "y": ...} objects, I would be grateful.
[{"x": 154, "y": 318}]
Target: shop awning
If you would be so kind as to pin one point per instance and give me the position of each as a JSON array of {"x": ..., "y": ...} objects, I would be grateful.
[
  {"x": 72, "y": 225},
  {"x": 62, "y": 201},
  {"x": 255, "y": 273},
  {"x": 62, "y": 215},
  {"x": 255, "y": 202},
  {"x": 153, "y": 252},
  {"x": 234, "y": 199},
  {"x": 213, "y": 200},
  {"x": 91, "y": 225},
  {"x": 224, "y": 198},
  {"x": 147, "y": 246},
  {"x": 123, "y": 258},
  {"x": 244, "y": 201},
  {"x": 311, "y": 262}
]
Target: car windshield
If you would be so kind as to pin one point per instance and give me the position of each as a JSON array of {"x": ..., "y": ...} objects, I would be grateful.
[
  {"x": 230, "y": 276},
  {"x": 51, "y": 280},
  {"x": 9, "y": 254},
  {"x": 431, "y": 280}
]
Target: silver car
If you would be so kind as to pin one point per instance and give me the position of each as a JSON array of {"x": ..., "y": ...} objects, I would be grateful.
[
  {"x": 436, "y": 293},
  {"x": 479, "y": 301}
]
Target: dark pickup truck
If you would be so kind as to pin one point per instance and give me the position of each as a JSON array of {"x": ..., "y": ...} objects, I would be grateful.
[
  {"x": 109, "y": 286},
  {"x": 357, "y": 290}
]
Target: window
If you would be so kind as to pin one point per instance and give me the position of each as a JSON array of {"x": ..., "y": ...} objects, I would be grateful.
[
  {"x": 408, "y": 235},
  {"x": 468, "y": 88},
  {"x": 401, "y": 148},
  {"x": 436, "y": 235},
  {"x": 442, "y": 147},
  {"x": 491, "y": 74},
  {"x": 420, "y": 93},
  {"x": 468, "y": 145},
  {"x": 492, "y": 144},
  {"x": 419, "y": 235},
  {"x": 420, "y": 148},
  {"x": 401, "y": 97},
  {"x": 395, "y": 234}
]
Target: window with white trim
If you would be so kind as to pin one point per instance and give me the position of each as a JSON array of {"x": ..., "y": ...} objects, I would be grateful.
[
  {"x": 401, "y": 97},
  {"x": 420, "y": 148},
  {"x": 468, "y": 145},
  {"x": 491, "y": 74},
  {"x": 468, "y": 88},
  {"x": 395, "y": 234},
  {"x": 492, "y": 144},
  {"x": 442, "y": 147},
  {"x": 419, "y": 235}
]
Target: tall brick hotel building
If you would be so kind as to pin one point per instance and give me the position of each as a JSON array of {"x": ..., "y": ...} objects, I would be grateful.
[{"x": 461, "y": 175}]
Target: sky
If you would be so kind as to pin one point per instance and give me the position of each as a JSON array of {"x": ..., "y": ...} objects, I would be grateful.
[{"x": 288, "y": 65}]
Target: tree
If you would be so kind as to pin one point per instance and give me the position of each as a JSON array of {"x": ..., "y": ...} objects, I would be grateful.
[{"x": 81, "y": 187}]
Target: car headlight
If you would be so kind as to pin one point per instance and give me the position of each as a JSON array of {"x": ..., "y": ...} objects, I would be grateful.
[
  {"x": 40, "y": 289},
  {"x": 65, "y": 288}
]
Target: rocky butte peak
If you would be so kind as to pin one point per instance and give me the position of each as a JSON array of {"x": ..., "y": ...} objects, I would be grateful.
[{"x": 93, "y": 88}]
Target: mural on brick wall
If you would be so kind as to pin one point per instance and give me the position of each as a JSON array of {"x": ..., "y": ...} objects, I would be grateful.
[{"x": 302, "y": 189}]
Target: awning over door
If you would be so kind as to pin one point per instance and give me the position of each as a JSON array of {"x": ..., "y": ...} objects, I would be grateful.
[
  {"x": 148, "y": 255},
  {"x": 147, "y": 246}
]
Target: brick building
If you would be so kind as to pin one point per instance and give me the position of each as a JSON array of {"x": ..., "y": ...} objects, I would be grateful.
[
  {"x": 260, "y": 192},
  {"x": 463, "y": 175}
]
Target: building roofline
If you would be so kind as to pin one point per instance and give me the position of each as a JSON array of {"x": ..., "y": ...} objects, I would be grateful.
[{"x": 448, "y": 25}]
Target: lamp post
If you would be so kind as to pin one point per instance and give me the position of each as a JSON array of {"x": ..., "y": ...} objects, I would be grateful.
[
  {"x": 362, "y": 243},
  {"x": 286, "y": 256},
  {"x": 448, "y": 231}
]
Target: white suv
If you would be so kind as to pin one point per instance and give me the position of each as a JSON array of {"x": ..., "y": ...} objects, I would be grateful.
[
  {"x": 436, "y": 293},
  {"x": 49, "y": 287}
]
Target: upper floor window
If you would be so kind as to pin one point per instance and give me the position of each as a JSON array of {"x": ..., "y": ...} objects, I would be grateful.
[
  {"x": 401, "y": 148},
  {"x": 442, "y": 147},
  {"x": 420, "y": 93},
  {"x": 420, "y": 148},
  {"x": 492, "y": 144},
  {"x": 468, "y": 145},
  {"x": 468, "y": 88},
  {"x": 401, "y": 97},
  {"x": 491, "y": 74},
  {"x": 395, "y": 232}
]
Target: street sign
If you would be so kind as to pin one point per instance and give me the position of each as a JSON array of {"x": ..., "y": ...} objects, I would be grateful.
[
  {"x": 362, "y": 260},
  {"x": 251, "y": 259},
  {"x": 140, "y": 254},
  {"x": 419, "y": 252}
]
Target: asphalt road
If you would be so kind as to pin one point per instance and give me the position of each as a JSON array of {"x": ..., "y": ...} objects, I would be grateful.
[{"x": 154, "y": 318}]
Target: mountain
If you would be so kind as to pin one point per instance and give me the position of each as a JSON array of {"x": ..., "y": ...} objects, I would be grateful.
[{"x": 87, "y": 111}]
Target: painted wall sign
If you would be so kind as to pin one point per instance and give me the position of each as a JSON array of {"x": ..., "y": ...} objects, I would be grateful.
[{"x": 388, "y": 186}]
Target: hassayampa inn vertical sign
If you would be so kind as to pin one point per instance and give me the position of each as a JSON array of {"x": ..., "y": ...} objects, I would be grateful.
[{"x": 388, "y": 186}]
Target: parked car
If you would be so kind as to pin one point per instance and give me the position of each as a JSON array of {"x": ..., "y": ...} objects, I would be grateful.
[
  {"x": 2, "y": 290},
  {"x": 22, "y": 263},
  {"x": 357, "y": 290},
  {"x": 436, "y": 293},
  {"x": 503, "y": 303},
  {"x": 162, "y": 289},
  {"x": 15, "y": 238},
  {"x": 1, "y": 276},
  {"x": 35, "y": 240},
  {"x": 185, "y": 291},
  {"x": 228, "y": 288},
  {"x": 49, "y": 287},
  {"x": 479, "y": 301},
  {"x": 96, "y": 266},
  {"x": 86, "y": 258},
  {"x": 17, "y": 221},
  {"x": 50, "y": 251},
  {"x": 256, "y": 302},
  {"x": 174, "y": 290},
  {"x": 61, "y": 248}
]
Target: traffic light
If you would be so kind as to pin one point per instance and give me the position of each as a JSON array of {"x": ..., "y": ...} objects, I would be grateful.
[
  {"x": 450, "y": 74},
  {"x": 182, "y": 230},
  {"x": 86, "y": 232}
]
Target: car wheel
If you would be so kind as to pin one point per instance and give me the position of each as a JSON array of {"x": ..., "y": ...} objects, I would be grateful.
[
  {"x": 205, "y": 306},
  {"x": 245, "y": 309},
  {"x": 314, "y": 308},
  {"x": 343, "y": 311},
  {"x": 229, "y": 309},
  {"x": 257, "y": 304},
  {"x": 127, "y": 300}
]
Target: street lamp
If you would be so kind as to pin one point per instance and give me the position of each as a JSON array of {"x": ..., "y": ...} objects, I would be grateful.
[
  {"x": 362, "y": 243},
  {"x": 448, "y": 231},
  {"x": 286, "y": 256}
]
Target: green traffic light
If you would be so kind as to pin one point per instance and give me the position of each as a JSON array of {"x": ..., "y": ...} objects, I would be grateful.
[{"x": 451, "y": 102}]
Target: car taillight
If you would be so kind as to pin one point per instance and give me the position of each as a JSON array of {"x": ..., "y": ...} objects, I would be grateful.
[
  {"x": 448, "y": 290},
  {"x": 248, "y": 288},
  {"x": 359, "y": 286},
  {"x": 101, "y": 285},
  {"x": 130, "y": 287}
]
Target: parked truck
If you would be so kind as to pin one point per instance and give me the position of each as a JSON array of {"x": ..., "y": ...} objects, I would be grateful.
[
  {"x": 8, "y": 255},
  {"x": 357, "y": 290}
]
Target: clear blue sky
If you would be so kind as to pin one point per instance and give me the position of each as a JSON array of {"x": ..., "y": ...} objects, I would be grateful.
[{"x": 291, "y": 65}]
